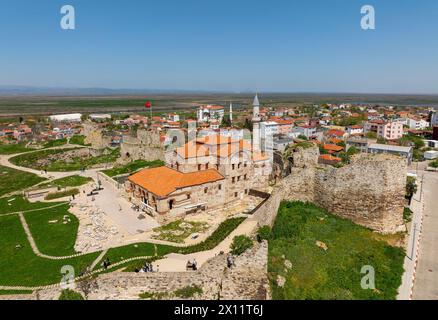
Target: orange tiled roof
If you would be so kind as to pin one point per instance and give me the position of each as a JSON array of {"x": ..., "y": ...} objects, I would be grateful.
[
  {"x": 285, "y": 122},
  {"x": 334, "y": 132},
  {"x": 333, "y": 147},
  {"x": 163, "y": 180},
  {"x": 192, "y": 150},
  {"x": 335, "y": 140},
  {"x": 329, "y": 157}
]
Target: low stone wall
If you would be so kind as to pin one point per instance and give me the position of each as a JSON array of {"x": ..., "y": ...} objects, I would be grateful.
[{"x": 247, "y": 280}]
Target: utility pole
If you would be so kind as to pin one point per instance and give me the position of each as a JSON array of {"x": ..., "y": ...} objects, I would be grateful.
[{"x": 413, "y": 242}]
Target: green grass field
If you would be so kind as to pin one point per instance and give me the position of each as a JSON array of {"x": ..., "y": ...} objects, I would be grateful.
[
  {"x": 12, "y": 180},
  {"x": 7, "y": 149},
  {"x": 20, "y": 266},
  {"x": 19, "y": 203},
  {"x": 53, "y": 236},
  {"x": 133, "y": 167},
  {"x": 29, "y": 160},
  {"x": 336, "y": 272},
  {"x": 55, "y": 143},
  {"x": 78, "y": 139},
  {"x": 70, "y": 181},
  {"x": 62, "y": 194}
]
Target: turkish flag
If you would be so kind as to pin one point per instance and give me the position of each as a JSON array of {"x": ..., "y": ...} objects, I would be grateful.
[{"x": 148, "y": 105}]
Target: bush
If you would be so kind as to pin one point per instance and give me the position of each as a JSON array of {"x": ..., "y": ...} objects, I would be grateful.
[
  {"x": 61, "y": 194},
  {"x": 188, "y": 292},
  {"x": 434, "y": 164},
  {"x": 240, "y": 245},
  {"x": 407, "y": 215},
  {"x": 264, "y": 233},
  {"x": 224, "y": 229},
  {"x": 68, "y": 294}
]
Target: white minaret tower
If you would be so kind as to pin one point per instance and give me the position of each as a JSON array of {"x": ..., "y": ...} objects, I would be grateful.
[
  {"x": 256, "y": 124},
  {"x": 231, "y": 112}
]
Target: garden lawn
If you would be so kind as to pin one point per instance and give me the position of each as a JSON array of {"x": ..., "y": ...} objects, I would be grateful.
[
  {"x": 336, "y": 272},
  {"x": 19, "y": 203},
  {"x": 137, "y": 250},
  {"x": 133, "y": 167},
  {"x": 62, "y": 194},
  {"x": 12, "y": 180},
  {"x": 13, "y": 148},
  {"x": 77, "y": 163},
  {"x": 20, "y": 266},
  {"x": 51, "y": 235},
  {"x": 71, "y": 181},
  {"x": 55, "y": 143},
  {"x": 178, "y": 231},
  {"x": 78, "y": 139}
]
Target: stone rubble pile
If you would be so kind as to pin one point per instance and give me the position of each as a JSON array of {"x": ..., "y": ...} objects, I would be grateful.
[{"x": 95, "y": 232}]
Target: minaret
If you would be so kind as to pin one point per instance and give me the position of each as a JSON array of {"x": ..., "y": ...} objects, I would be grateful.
[
  {"x": 231, "y": 112},
  {"x": 256, "y": 124}
]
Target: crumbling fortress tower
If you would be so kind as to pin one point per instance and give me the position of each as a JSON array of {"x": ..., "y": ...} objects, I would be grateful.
[
  {"x": 369, "y": 191},
  {"x": 146, "y": 146}
]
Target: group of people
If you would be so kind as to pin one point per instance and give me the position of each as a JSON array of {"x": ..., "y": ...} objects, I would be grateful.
[
  {"x": 192, "y": 265},
  {"x": 148, "y": 267}
]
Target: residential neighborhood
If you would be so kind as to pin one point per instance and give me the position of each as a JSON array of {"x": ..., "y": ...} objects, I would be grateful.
[{"x": 213, "y": 159}]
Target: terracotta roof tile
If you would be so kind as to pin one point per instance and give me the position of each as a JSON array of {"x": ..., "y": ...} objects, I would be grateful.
[{"x": 163, "y": 180}]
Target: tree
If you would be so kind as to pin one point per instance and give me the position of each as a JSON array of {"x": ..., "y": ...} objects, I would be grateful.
[
  {"x": 68, "y": 294},
  {"x": 226, "y": 121},
  {"x": 411, "y": 188},
  {"x": 381, "y": 140},
  {"x": 302, "y": 137},
  {"x": 371, "y": 135},
  {"x": 248, "y": 124},
  {"x": 352, "y": 150},
  {"x": 264, "y": 233}
]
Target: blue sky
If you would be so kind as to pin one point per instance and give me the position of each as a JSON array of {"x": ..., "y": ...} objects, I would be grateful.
[{"x": 294, "y": 46}]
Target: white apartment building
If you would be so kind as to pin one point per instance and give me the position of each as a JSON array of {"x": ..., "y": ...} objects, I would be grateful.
[
  {"x": 417, "y": 124},
  {"x": 268, "y": 128},
  {"x": 307, "y": 131},
  {"x": 209, "y": 112}
]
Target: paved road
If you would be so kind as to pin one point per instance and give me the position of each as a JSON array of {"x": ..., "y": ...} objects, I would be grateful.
[
  {"x": 426, "y": 278},
  {"x": 410, "y": 262}
]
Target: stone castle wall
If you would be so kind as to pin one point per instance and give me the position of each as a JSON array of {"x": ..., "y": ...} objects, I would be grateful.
[
  {"x": 369, "y": 191},
  {"x": 145, "y": 146}
]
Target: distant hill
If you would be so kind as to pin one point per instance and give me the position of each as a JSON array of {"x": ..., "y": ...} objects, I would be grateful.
[{"x": 6, "y": 91}]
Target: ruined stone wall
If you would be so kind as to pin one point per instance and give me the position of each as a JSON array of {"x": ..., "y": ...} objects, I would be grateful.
[
  {"x": 145, "y": 146},
  {"x": 247, "y": 280},
  {"x": 369, "y": 191},
  {"x": 96, "y": 139}
]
